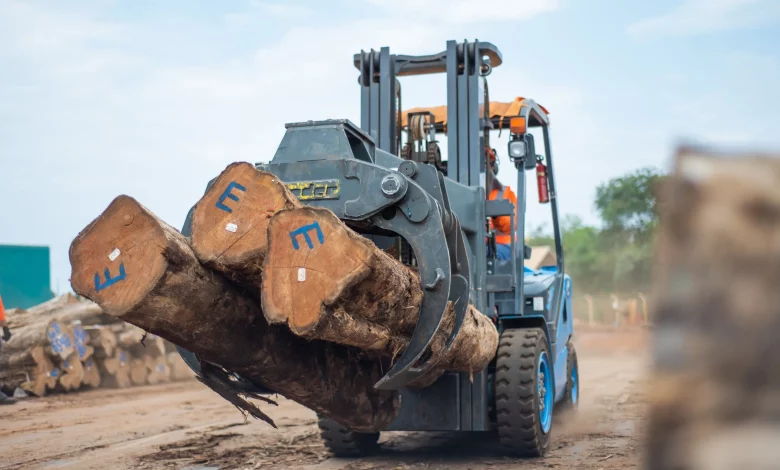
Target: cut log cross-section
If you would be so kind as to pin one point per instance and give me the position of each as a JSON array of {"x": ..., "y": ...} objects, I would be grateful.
[
  {"x": 138, "y": 371},
  {"x": 72, "y": 372},
  {"x": 229, "y": 222},
  {"x": 116, "y": 369},
  {"x": 142, "y": 270},
  {"x": 325, "y": 281}
]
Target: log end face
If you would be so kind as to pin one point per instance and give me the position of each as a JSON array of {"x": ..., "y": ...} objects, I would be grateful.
[
  {"x": 118, "y": 257},
  {"x": 230, "y": 221},
  {"x": 312, "y": 259}
]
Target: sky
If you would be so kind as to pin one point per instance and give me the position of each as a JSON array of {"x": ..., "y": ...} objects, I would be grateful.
[{"x": 153, "y": 99}]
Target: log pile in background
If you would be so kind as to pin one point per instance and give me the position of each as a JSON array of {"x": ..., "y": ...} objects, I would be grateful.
[
  {"x": 334, "y": 317},
  {"x": 67, "y": 344},
  {"x": 716, "y": 382}
]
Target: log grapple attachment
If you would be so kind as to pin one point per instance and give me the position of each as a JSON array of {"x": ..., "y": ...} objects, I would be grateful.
[{"x": 335, "y": 165}]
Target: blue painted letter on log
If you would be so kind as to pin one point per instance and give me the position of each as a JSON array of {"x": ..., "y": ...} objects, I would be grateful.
[
  {"x": 110, "y": 281},
  {"x": 229, "y": 195},
  {"x": 305, "y": 232}
]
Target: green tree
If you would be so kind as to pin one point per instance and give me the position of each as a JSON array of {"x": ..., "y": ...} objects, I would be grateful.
[{"x": 627, "y": 204}]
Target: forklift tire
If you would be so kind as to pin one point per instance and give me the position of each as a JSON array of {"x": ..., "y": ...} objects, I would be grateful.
[
  {"x": 571, "y": 399},
  {"x": 524, "y": 391},
  {"x": 342, "y": 442}
]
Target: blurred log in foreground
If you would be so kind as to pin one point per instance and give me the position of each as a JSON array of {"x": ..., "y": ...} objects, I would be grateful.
[{"x": 715, "y": 393}]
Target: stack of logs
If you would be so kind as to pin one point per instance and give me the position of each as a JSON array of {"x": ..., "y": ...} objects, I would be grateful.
[
  {"x": 67, "y": 344},
  {"x": 287, "y": 296}
]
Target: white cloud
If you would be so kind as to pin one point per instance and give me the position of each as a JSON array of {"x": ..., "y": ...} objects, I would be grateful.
[
  {"x": 262, "y": 10},
  {"x": 694, "y": 17},
  {"x": 26, "y": 30},
  {"x": 468, "y": 11}
]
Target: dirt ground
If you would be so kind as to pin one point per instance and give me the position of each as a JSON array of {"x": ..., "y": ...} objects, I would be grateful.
[{"x": 186, "y": 426}]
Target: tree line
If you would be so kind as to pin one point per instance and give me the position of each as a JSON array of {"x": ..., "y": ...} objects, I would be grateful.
[{"x": 616, "y": 255}]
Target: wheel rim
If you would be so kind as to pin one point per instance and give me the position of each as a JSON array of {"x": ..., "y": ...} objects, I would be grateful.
[
  {"x": 575, "y": 383},
  {"x": 544, "y": 391}
]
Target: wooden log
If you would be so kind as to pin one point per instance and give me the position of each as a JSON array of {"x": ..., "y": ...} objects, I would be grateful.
[
  {"x": 157, "y": 368},
  {"x": 154, "y": 345},
  {"x": 103, "y": 339},
  {"x": 72, "y": 373},
  {"x": 129, "y": 337},
  {"x": 44, "y": 376},
  {"x": 142, "y": 270},
  {"x": 115, "y": 370},
  {"x": 92, "y": 376},
  {"x": 230, "y": 220},
  {"x": 138, "y": 371},
  {"x": 80, "y": 341},
  {"x": 19, "y": 318},
  {"x": 86, "y": 312},
  {"x": 716, "y": 373},
  {"x": 324, "y": 281}
]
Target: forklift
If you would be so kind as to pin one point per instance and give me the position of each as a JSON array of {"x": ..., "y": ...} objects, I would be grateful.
[{"x": 435, "y": 212}]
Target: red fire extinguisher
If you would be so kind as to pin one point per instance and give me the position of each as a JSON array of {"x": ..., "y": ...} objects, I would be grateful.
[{"x": 541, "y": 183}]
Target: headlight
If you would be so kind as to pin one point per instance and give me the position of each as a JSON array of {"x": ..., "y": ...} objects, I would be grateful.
[{"x": 517, "y": 149}]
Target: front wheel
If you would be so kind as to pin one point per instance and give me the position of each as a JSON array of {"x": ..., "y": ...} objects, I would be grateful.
[
  {"x": 524, "y": 391},
  {"x": 342, "y": 442}
]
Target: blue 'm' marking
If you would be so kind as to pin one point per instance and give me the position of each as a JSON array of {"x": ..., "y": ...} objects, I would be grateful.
[
  {"x": 229, "y": 195},
  {"x": 109, "y": 280},
  {"x": 305, "y": 232}
]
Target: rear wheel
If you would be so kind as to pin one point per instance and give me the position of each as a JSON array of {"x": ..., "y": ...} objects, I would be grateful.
[
  {"x": 524, "y": 391},
  {"x": 571, "y": 398},
  {"x": 342, "y": 442}
]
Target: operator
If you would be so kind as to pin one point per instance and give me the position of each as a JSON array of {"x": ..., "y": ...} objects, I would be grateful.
[
  {"x": 4, "y": 399},
  {"x": 501, "y": 225}
]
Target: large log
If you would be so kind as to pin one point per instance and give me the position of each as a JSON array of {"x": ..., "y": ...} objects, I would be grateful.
[
  {"x": 716, "y": 382},
  {"x": 230, "y": 220},
  {"x": 229, "y": 234},
  {"x": 141, "y": 270},
  {"x": 325, "y": 281}
]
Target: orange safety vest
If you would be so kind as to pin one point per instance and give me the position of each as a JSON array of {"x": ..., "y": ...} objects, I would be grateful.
[{"x": 502, "y": 224}]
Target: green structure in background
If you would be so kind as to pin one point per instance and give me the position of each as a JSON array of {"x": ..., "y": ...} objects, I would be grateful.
[{"x": 25, "y": 275}]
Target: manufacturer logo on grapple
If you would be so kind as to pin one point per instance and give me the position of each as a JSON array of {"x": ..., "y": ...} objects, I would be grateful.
[{"x": 315, "y": 190}]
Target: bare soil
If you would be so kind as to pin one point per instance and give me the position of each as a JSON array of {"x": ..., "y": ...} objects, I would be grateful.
[{"x": 186, "y": 426}]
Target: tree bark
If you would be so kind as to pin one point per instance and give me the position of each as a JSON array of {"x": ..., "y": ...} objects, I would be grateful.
[
  {"x": 716, "y": 376},
  {"x": 229, "y": 222},
  {"x": 142, "y": 270},
  {"x": 333, "y": 284}
]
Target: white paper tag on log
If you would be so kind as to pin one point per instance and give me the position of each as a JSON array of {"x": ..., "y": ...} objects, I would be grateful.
[
  {"x": 114, "y": 254},
  {"x": 231, "y": 227},
  {"x": 301, "y": 274}
]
